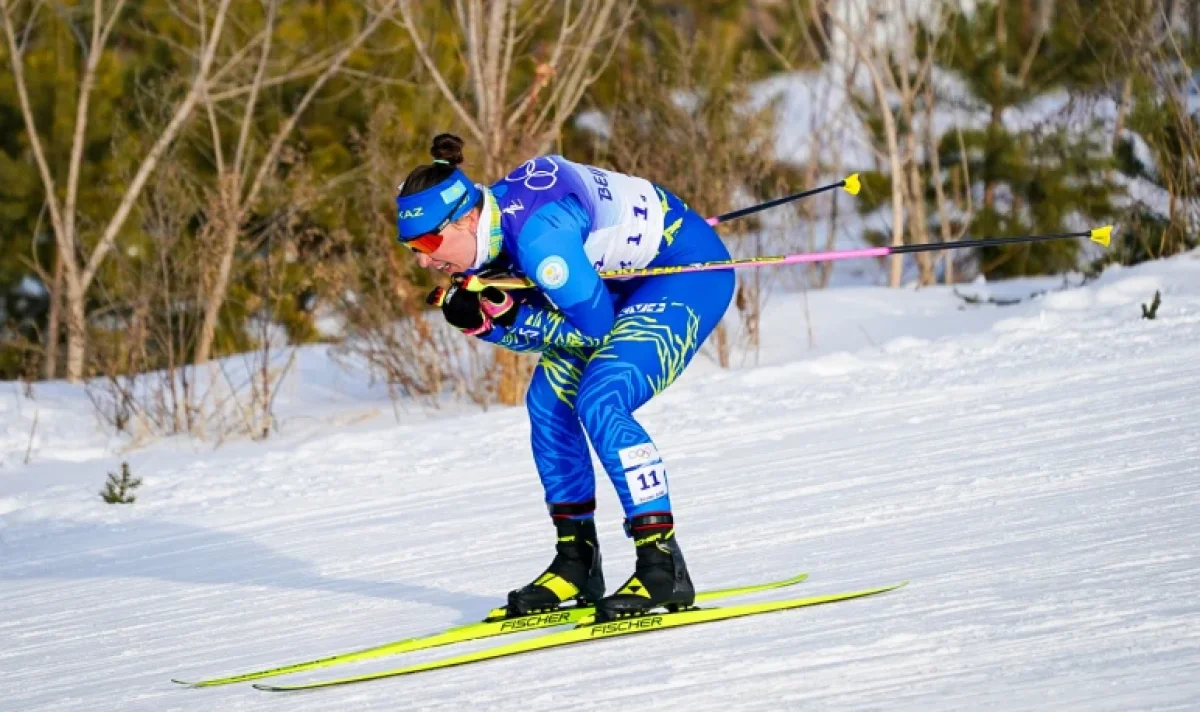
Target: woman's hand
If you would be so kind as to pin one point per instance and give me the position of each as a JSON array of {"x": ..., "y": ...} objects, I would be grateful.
[{"x": 474, "y": 313}]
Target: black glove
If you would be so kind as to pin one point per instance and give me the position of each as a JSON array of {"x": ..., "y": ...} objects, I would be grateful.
[{"x": 474, "y": 313}]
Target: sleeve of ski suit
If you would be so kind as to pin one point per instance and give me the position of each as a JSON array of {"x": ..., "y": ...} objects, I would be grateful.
[{"x": 550, "y": 251}]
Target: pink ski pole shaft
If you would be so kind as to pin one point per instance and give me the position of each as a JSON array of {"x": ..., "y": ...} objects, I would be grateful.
[{"x": 1101, "y": 235}]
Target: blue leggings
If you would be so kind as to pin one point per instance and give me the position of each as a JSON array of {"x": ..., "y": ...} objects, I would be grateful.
[{"x": 661, "y": 323}]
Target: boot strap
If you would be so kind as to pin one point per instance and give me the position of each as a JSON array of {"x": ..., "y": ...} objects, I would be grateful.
[
  {"x": 563, "y": 510},
  {"x": 653, "y": 520}
]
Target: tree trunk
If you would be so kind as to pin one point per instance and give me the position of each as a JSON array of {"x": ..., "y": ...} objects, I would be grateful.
[
  {"x": 917, "y": 214},
  {"x": 875, "y": 65},
  {"x": 216, "y": 293},
  {"x": 64, "y": 54},
  {"x": 76, "y": 329},
  {"x": 50, "y": 362},
  {"x": 920, "y": 224},
  {"x": 999, "y": 71},
  {"x": 896, "y": 268}
]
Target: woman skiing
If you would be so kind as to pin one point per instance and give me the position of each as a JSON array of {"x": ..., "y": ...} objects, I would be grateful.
[{"x": 606, "y": 347}]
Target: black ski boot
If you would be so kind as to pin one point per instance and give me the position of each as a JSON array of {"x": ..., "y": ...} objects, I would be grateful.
[
  {"x": 660, "y": 578},
  {"x": 575, "y": 573}
]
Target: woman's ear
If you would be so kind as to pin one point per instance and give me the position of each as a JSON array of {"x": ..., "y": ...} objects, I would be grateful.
[{"x": 470, "y": 221}]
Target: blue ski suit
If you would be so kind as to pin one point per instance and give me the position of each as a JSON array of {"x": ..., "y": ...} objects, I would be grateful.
[{"x": 607, "y": 346}]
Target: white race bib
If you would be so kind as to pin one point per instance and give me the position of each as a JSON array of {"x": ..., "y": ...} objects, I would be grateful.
[{"x": 628, "y": 219}]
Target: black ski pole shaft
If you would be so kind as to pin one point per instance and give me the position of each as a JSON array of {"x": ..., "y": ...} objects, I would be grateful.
[{"x": 850, "y": 184}]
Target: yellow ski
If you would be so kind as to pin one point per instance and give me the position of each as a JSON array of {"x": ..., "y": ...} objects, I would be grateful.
[
  {"x": 591, "y": 631},
  {"x": 471, "y": 631}
]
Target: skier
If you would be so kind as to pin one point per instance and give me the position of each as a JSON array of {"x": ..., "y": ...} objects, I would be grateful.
[{"x": 606, "y": 347}]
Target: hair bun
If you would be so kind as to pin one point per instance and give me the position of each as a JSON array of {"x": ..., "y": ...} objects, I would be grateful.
[{"x": 447, "y": 147}]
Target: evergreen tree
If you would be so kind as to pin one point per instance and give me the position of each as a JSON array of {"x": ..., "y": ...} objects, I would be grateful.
[
  {"x": 1041, "y": 178},
  {"x": 119, "y": 488},
  {"x": 1161, "y": 151}
]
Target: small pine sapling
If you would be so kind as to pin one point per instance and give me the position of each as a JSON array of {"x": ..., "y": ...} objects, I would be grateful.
[{"x": 119, "y": 490}]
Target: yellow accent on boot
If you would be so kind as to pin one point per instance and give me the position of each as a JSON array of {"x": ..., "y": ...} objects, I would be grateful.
[
  {"x": 567, "y": 538},
  {"x": 662, "y": 545},
  {"x": 653, "y": 537},
  {"x": 557, "y": 585},
  {"x": 633, "y": 587}
]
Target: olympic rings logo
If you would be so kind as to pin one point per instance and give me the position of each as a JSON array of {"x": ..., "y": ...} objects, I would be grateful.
[
  {"x": 643, "y": 452},
  {"x": 533, "y": 177}
]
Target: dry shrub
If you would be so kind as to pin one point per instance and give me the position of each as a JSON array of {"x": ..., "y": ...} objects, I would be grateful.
[{"x": 377, "y": 290}]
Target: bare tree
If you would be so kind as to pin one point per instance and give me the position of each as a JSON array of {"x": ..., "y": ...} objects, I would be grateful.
[
  {"x": 888, "y": 50},
  {"x": 239, "y": 183},
  {"x": 508, "y": 118},
  {"x": 875, "y": 59},
  {"x": 144, "y": 321},
  {"x": 508, "y": 113},
  {"x": 377, "y": 290},
  {"x": 803, "y": 34},
  {"x": 78, "y": 267}
]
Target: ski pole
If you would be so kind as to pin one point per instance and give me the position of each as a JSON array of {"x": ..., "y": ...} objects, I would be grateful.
[
  {"x": 1100, "y": 235},
  {"x": 850, "y": 184}
]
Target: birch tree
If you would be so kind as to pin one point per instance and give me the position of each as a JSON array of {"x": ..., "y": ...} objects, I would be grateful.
[
  {"x": 506, "y": 109},
  {"x": 243, "y": 172},
  {"x": 888, "y": 51},
  {"x": 80, "y": 262}
]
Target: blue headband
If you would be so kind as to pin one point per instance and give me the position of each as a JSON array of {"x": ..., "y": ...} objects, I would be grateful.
[{"x": 433, "y": 208}]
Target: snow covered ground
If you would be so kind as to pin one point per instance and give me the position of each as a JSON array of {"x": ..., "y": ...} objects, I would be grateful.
[{"x": 1033, "y": 470}]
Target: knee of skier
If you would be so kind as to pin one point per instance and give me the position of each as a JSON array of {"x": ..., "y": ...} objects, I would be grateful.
[{"x": 599, "y": 403}]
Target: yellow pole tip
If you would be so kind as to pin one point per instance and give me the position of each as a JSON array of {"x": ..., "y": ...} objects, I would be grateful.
[
  {"x": 1102, "y": 235},
  {"x": 851, "y": 184}
]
